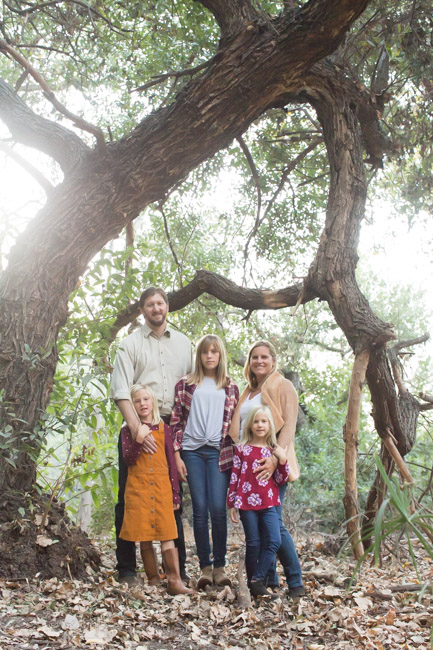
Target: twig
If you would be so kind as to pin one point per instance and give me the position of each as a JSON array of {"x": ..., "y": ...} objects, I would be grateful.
[
  {"x": 168, "y": 75},
  {"x": 167, "y": 235}
]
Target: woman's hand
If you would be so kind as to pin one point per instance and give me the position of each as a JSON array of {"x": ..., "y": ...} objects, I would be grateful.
[
  {"x": 267, "y": 468},
  {"x": 176, "y": 506},
  {"x": 280, "y": 453},
  {"x": 181, "y": 467},
  {"x": 234, "y": 515}
]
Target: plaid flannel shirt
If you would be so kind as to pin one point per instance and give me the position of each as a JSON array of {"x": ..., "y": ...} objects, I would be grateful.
[{"x": 183, "y": 393}]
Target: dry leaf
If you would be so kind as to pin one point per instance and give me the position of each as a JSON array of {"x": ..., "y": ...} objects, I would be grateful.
[{"x": 43, "y": 540}]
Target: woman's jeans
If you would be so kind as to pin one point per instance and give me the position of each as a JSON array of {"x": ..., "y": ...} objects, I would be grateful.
[
  {"x": 263, "y": 539},
  {"x": 208, "y": 487},
  {"x": 286, "y": 553}
]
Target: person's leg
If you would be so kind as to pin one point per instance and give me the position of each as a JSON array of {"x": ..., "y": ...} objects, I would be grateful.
[
  {"x": 196, "y": 468},
  {"x": 217, "y": 484},
  {"x": 179, "y": 542},
  {"x": 150, "y": 563},
  {"x": 270, "y": 541},
  {"x": 125, "y": 551},
  {"x": 250, "y": 522},
  {"x": 287, "y": 553},
  {"x": 170, "y": 557}
]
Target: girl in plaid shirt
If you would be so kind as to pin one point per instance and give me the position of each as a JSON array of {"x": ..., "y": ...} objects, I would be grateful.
[{"x": 204, "y": 404}]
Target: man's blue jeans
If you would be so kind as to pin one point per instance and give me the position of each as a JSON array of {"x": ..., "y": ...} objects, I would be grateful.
[
  {"x": 208, "y": 487},
  {"x": 263, "y": 539},
  {"x": 286, "y": 553}
]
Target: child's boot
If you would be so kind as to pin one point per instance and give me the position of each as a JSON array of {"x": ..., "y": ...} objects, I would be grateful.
[
  {"x": 220, "y": 577},
  {"x": 148, "y": 555},
  {"x": 206, "y": 577},
  {"x": 258, "y": 589},
  {"x": 171, "y": 566}
]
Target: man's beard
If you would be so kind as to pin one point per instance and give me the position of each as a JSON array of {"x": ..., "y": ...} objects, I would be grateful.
[{"x": 156, "y": 323}]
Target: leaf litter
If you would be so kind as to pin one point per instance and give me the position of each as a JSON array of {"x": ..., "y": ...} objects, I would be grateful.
[{"x": 386, "y": 609}]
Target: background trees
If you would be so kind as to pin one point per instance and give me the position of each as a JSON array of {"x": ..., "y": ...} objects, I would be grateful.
[{"x": 282, "y": 114}]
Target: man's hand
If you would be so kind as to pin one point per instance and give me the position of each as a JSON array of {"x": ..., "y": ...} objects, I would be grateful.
[
  {"x": 181, "y": 467},
  {"x": 267, "y": 468},
  {"x": 145, "y": 437}
]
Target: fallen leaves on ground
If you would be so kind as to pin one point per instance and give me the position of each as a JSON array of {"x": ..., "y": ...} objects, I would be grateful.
[{"x": 386, "y": 609}]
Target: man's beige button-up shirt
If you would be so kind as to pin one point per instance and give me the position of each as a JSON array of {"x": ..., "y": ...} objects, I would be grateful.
[{"x": 143, "y": 358}]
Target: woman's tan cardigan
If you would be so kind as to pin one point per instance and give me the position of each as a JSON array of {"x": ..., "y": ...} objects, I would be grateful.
[{"x": 279, "y": 394}]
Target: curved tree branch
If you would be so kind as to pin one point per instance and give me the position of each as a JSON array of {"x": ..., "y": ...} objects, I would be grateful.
[
  {"x": 225, "y": 290},
  {"x": 42, "y": 134}
]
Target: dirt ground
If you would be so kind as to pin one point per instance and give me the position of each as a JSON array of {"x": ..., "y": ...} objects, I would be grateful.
[
  {"x": 39, "y": 540},
  {"x": 73, "y": 600}
]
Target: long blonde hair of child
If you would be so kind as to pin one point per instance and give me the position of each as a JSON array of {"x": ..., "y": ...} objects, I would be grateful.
[
  {"x": 247, "y": 434},
  {"x": 156, "y": 418}
]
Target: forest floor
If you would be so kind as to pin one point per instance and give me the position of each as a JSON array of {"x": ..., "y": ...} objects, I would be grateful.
[{"x": 385, "y": 610}]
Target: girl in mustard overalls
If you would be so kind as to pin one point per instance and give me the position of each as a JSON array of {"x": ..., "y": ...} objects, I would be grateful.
[{"x": 152, "y": 491}]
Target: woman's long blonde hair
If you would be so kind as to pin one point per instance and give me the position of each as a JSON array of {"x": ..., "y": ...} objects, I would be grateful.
[
  {"x": 248, "y": 373},
  {"x": 247, "y": 434},
  {"x": 196, "y": 377},
  {"x": 156, "y": 418}
]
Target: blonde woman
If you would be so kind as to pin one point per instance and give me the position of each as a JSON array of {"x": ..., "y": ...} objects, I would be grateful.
[
  {"x": 204, "y": 404},
  {"x": 265, "y": 385}
]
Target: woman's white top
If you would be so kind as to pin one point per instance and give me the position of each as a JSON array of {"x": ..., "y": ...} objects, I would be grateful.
[
  {"x": 246, "y": 406},
  {"x": 205, "y": 419}
]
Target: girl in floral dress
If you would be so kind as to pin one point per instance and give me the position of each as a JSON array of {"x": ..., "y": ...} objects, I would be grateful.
[{"x": 256, "y": 498}]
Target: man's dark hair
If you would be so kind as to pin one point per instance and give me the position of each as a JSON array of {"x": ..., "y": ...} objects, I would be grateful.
[{"x": 151, "y": 291}]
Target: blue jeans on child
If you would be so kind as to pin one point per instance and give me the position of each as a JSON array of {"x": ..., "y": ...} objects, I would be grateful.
[
  {"x": 263, "y": 539},
  {"x": 208, "y": 487},
  {"x": 286, "y": 553}
]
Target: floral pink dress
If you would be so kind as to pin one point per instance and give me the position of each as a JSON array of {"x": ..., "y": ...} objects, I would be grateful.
[{"x": 246, "y": 491}]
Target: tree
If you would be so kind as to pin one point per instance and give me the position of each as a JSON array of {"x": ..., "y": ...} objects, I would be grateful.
[{"x": 260, "y": 62}]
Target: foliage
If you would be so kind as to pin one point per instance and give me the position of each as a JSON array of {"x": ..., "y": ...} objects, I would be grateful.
[{"x": 399, "y": 516}]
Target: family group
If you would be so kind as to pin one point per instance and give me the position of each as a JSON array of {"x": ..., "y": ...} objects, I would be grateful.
[{"x": 184, "y": 420}]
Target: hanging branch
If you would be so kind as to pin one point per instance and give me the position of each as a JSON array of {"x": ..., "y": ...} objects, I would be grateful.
[
  {"x": 284, "y": 177},
  {"x": 75, "y": 119},
  {"x": 170, "y": 243},
  {"x": 350, "y": 436}
]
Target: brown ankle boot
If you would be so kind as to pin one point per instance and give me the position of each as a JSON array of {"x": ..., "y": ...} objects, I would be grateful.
[
  {"x": 148, "y": 555},
  {"x": 171, "y": 564}
]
